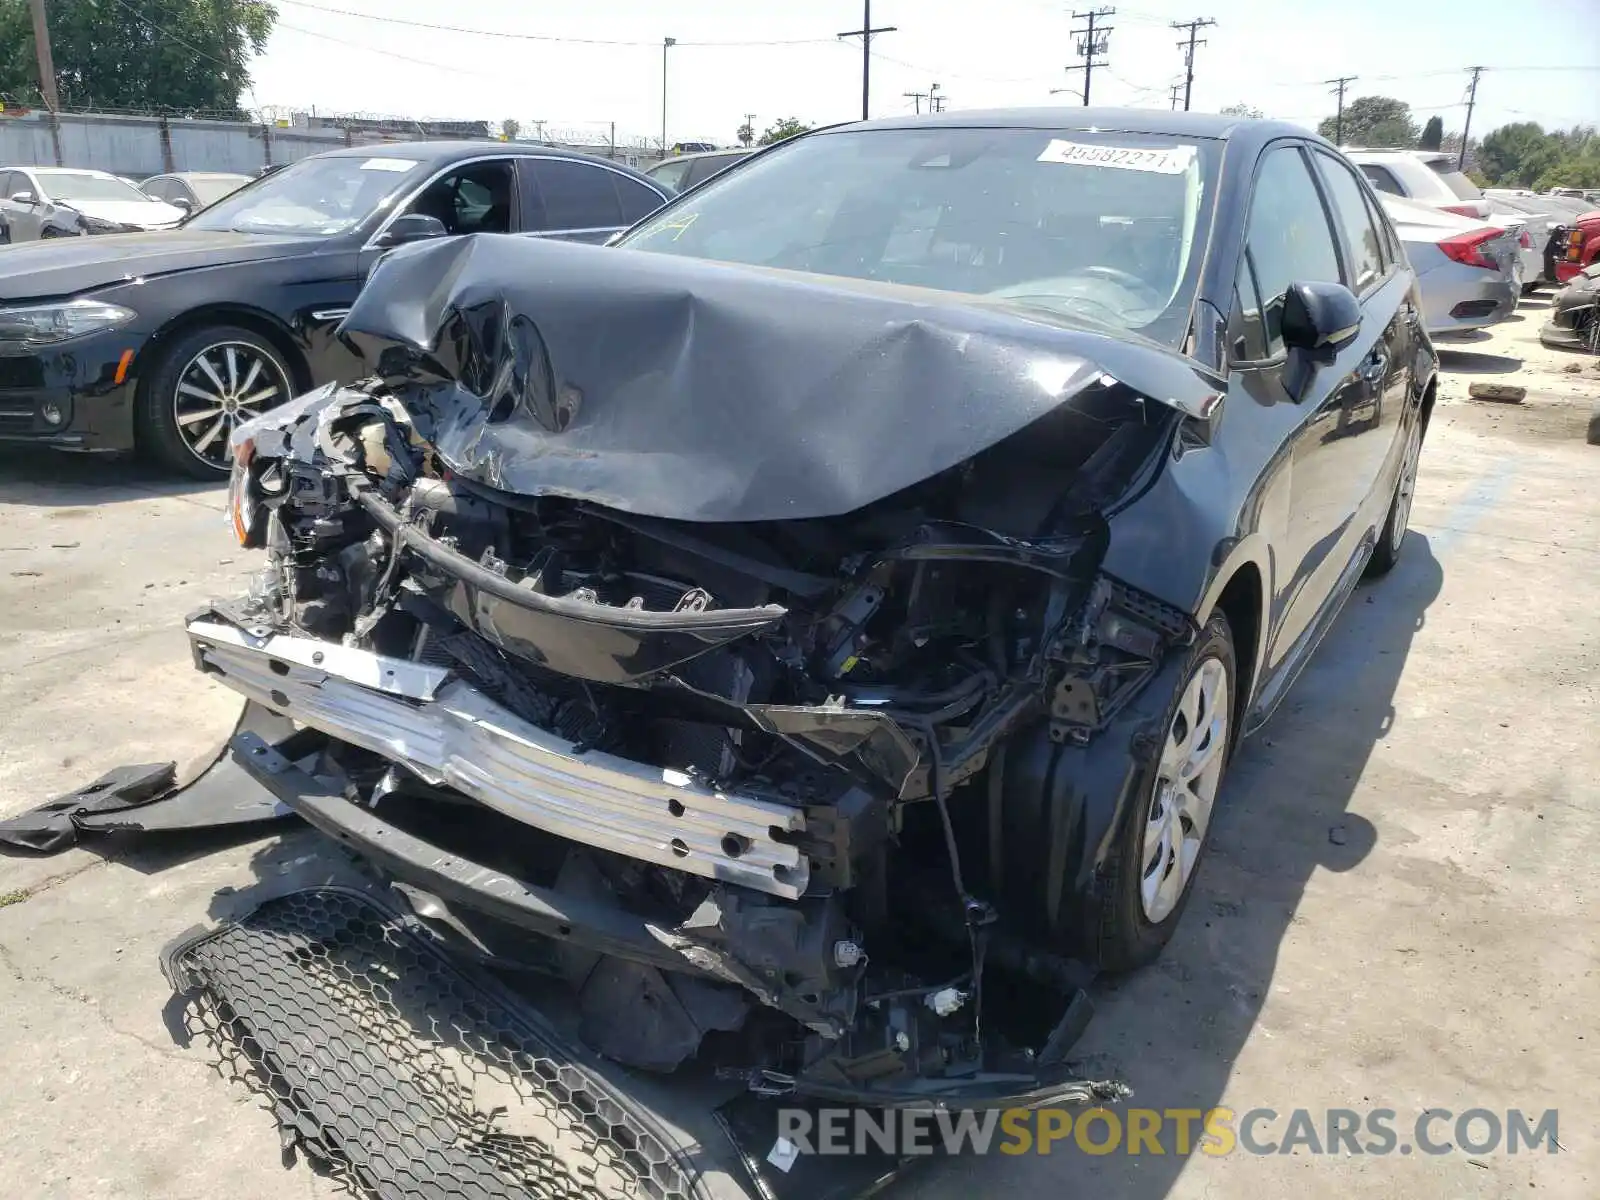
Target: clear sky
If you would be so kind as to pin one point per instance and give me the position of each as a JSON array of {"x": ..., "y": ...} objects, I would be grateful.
[{"x": 982, "y": 53}]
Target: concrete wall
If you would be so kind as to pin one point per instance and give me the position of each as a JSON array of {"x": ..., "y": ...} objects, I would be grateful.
[
  {"x": 139, "y": 147},
  {"x": 142, "y": 146}
]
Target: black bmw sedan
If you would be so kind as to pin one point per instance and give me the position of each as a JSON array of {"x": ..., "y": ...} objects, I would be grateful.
[{"x": 166, "y": 341}]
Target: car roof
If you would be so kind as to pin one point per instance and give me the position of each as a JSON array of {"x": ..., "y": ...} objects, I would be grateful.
[
  {"x": 203, "y": 175},
  {"x": 65, "y": 171},
  {"x": 1160, "y": 121}
]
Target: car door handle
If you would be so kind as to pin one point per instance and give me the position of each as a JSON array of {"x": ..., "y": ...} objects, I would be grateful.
[{"x": 1374, "y": 367}]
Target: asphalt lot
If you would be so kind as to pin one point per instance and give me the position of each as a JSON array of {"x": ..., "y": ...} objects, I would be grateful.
[{"x": 1394, "y": 913}]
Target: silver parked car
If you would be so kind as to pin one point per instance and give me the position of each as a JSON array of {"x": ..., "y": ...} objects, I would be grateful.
[
  {"x": 50, "y": 202},
  {"x": 1426, "y": 176},
  {"x": 193, "y": 190},
  {"x": 1469, "y": 270}
]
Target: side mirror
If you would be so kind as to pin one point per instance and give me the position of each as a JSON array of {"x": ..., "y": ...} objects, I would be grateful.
[
  {"x": 412, "y": 227},
  {"x": 23, "y": 197},
  {"x": 182, "y": 202},
  {"x": 1320, "y": 317}
]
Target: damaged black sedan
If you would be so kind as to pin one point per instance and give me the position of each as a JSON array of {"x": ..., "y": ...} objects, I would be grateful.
[{"x": 846, "y": 590}]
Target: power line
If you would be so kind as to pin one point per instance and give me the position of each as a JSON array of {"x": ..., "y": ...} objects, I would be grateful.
[
  {"x": 1092, "y": 42},
  {"x": 538, "y": 37},
  {"x": 865, "y": 33},
  {"x": 1339, "y": 86},
  {"x": 1193, "y": 27},
  {"x": 328, "y": 37}
]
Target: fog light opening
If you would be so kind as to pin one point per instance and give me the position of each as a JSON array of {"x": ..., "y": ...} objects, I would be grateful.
[{"x": 52, "y": 414}]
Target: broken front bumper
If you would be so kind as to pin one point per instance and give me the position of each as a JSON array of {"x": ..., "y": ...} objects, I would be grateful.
[{"x": 449, "y": 734}]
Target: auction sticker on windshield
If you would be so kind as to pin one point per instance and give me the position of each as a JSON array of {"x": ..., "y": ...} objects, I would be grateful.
[
  {"x": 1166, "y": 160},
  {"x": 389, "y": 164}
]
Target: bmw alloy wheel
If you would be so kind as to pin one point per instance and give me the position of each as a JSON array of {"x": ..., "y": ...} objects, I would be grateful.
[
  {"x": 1406, "y": 488},
  {"x": 1185, "y": 790},
  {"x": 223, "y": 386}
]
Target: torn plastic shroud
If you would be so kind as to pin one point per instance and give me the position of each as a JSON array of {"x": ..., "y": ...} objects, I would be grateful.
[
  {"x": 408, "y": 1074},
  {"x": 692, "y": 390}
]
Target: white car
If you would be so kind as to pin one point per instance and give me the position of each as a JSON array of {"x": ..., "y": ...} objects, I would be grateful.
[
  {"x": 1426, "y": 176},
  {"x": 51, "y": 202},
  {"x": 1468, "y": 270}
]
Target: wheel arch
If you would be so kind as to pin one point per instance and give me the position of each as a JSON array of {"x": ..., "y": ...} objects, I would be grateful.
[
  {"x": 245, "y": 316},
  {"x": 1240, "y": 594}
]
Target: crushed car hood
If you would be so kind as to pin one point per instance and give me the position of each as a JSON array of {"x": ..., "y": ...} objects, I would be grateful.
[
  {"x": 45, "y": 269},
  {"x": 693, "y": 390}
]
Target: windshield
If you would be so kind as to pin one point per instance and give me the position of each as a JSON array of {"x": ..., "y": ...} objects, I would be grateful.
[
  {"x": 69, "y": 185},
  {"x": 1098, "y": 225},
  {"x": 211, "y": 188},
  {"x": 322, "y": 197}
]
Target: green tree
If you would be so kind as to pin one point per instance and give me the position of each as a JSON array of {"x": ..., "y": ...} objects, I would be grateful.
[
  {"x": 509, "y": 128},
  {"x": 1242, "y": 110},
  {"x": 782, "y": 130},
  {"x": 745, "y": 133},
  {"x": 1518, "y": 154},
  {"x": 1432, "y": 134},
  {"x": 1373, "y": 121},
  {"x": 184, "y": 56}
]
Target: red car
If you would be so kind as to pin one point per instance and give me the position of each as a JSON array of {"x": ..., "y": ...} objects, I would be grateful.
[{"x": 1579, "y": 246}]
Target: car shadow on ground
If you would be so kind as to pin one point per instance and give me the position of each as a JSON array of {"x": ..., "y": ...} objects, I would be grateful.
[
  {"x": 45, "y": 478},
  {"x": 1174, "y": 1030},
  {"x": 1470, "y": 362}
]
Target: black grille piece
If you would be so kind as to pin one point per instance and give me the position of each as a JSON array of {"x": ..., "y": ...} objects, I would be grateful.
[{"x": 399, "y": 1072}]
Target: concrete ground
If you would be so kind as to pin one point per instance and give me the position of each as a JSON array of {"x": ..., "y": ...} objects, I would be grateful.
[{"x": 1394, "y": 912}]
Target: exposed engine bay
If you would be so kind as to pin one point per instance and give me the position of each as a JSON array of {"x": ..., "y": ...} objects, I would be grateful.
[{"x": 738, "y": 776}]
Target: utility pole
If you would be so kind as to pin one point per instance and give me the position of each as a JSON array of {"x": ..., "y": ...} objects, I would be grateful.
[
  {"x": 916, "y": 98},
  {"x": 41, "y": 49},
  {"x": 666, "y": 44},
  {"x": 1092, "y": 40},
  {"x": 936, "y": 102},
  {"x": 865, "y": 33},
  {"x": 1174, "y": 94},
  {"x": 1339, "y": 86},
  {"x": 1194, "y": 27},
  {"x": 1466, "y": 128}
]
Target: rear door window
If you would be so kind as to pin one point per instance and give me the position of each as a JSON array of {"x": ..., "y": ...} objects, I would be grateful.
[
  {"x": 1288, "y": 239},
  {"x": 1363, "y": 246},
  {"x": 637, "y": 200},
  {"x": 577, "y": 195}
]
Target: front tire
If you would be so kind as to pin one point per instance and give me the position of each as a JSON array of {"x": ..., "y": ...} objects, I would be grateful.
[
  {"x": 1150, "y": 872},
  {"x": 206, "y": 383}
]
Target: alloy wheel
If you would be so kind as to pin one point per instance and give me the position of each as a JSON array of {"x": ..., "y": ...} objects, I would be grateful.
[
  {"x": 1406, "y": 488},
  {"x": 1185, "y": 790},
  {"x": 224, "y": 385}
]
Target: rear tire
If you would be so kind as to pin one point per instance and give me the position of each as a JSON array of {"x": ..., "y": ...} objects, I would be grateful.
[
  {"x": 206, "y": 383},
  {"x": 1393, "y": 534}
]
